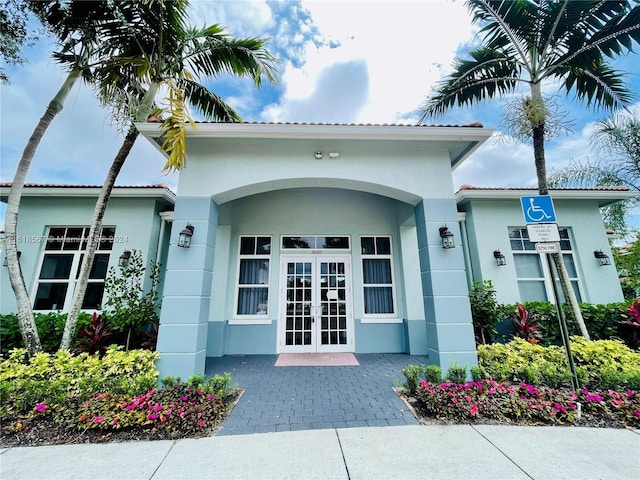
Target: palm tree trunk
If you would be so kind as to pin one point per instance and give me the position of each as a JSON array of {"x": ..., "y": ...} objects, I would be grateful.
[
  {"x": 94, "y": 236},
  {"x": 26, "y": 321},
  {"x": 538, "y": 126}
]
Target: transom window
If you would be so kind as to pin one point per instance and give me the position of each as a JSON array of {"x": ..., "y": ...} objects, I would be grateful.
[
  {"x": 316, "y": 242},
  {"x": 252, "y": 292},
  {"x": 60, "y": 268},
  {"x": 533, "y": 272},
  {"x": 377, "y": 276}
]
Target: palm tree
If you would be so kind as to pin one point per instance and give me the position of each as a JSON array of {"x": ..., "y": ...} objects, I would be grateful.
[
  {"x": 617, "y": 138},
  {"x": 74, "y": 24},
  {"x": 530, "y": 42},
  {"x": 168, "y": 54}
]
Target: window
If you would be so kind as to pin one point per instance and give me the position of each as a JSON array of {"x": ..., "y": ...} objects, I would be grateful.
[
  {"x": 253, "y": 276},
  {"x": 532, "y": 269},
  {"x": 316, "y": 243},
  {"x": 60, "y": 268},
  {"x": 377, "y": 276}
]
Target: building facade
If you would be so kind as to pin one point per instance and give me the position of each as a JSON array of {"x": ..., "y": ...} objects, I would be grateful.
[{"x": 314, "y": 238}]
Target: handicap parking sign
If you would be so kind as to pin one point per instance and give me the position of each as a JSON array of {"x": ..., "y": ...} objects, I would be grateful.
[{"x": 538, "y": 209}]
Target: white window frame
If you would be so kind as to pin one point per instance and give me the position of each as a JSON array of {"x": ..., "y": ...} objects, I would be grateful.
[
  {"x": 72, "y": 280},
  {"x": 252, "y": 319},
  {"x": 379, "y": 317},
  {"x": 546, "y": 279}
]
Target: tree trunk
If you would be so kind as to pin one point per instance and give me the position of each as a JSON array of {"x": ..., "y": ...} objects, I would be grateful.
[
  {"x": 28, "y": 327},
  {"x": 538, "y": 125},
  {"x": 94, "y": 236}
]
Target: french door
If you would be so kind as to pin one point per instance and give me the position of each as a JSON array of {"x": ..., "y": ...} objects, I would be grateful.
[{"x": 315, "y": 304}]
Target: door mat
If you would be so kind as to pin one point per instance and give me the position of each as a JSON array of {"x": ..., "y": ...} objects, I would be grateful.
[{"x": 316, "y": 360}]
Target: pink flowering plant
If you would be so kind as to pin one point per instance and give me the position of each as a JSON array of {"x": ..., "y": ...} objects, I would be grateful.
[
  {"x": 178, "y": 409},
  {"x": 522, "y": 403}
]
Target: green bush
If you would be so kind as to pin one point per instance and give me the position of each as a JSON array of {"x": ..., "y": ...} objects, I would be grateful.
[
  {"x": 486, "y": 312},
  {"x": 602, "y": 321},
  {"x": 456, "y": 373},
  {"x": 50, "y": 328},
  {"x": 52, "y": 378},
  {"x": 600, "y": 364}
]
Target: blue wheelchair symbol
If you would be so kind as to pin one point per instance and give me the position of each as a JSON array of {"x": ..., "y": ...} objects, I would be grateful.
[{"x": 538, "y": 209}]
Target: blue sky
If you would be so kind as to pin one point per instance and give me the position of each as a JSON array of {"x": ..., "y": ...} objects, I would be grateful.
[{"x": 360, "y": 61}]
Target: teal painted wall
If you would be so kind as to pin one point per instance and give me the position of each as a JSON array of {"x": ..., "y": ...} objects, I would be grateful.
[{"x": 137, "y": 227}]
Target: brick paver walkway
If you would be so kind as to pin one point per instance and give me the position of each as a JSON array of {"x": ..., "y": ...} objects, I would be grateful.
[{"x": 304, "y": 398}]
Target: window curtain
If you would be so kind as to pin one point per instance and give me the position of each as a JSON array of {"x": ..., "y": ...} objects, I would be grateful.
[{"x": 377, "y": 299}]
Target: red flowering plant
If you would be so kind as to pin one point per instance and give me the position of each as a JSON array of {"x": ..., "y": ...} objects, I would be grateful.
[
  {"x": 523, "y": 326},
  {"x": 631, "y": 324}
]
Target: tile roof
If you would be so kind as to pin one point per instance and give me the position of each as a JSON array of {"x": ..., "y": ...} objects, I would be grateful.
[
  {"x": 614, "y": 188},
  {"x": 473, "y": 125},
  {"x": 60, "y": 185}
]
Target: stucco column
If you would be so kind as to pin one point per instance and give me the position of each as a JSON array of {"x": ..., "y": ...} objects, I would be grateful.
[
  {"x": 182, "y": 339},
  {"x": 444, "y": 287}
]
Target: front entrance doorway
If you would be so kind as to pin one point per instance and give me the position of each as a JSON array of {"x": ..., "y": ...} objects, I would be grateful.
[{"x": 315, "y": 304}]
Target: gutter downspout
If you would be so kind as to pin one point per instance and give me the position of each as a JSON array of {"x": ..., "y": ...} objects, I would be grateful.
[{"x": 462, "y": 221}]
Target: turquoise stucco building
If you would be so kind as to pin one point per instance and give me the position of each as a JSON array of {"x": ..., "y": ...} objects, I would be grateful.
[{"x": 318, "y": 238}]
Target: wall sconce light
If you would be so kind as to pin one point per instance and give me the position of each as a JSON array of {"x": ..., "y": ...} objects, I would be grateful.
[
  {"x": 123, "y": 260},
  {"x": 500, "y": 258},
  {"x": 6, "y": 262},
  {"x": 184, "y": 239},
  {"x": 603, "y": 258},
  {"x": 318, "y": 155},
  {"x": 447, "y": 237}
]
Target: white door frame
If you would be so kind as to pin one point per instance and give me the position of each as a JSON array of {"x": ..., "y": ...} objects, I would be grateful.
[{"x": 316, "y": 305}]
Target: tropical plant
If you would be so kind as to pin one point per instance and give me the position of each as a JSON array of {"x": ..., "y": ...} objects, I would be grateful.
[
  {"x": 94, "y": 338},
  {"x": 617, "y": 140},
  {"x": 523, "y": 327},
  {"x": 166, "y": 53},
  {"x": 631, "y": 321},
  {"x": 129, "y": 307},
  {"x": 627, "y": 260},
  {"x": 530, "y": 43},
  {"x": 78, "y": 28},
  {"x": 15, "y": 32},
  {"x": 486, "y": 312}
]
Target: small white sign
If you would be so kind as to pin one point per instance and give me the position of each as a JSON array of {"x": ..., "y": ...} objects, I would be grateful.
[
  {"x": 543, "y": 232},
  {"x": 548, "y": 247}
]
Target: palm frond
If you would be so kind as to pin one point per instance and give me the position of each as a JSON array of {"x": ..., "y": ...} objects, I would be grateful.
[
  {"x": 212, "y": 106},
  {"x": 485, "y": 76}
]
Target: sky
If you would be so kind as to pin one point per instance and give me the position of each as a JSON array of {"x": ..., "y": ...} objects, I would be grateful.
[{"x": 346, "y": 61}]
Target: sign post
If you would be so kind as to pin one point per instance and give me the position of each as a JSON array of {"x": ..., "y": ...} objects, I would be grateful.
[{"x": 540, "y": 217}]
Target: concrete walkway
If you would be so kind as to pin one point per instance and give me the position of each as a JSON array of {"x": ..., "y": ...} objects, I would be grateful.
[{"x": 401, "y": 452}]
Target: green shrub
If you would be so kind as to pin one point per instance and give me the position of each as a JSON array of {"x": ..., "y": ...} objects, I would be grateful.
[
  {"x": 51, "y": 378},
  {"x": 486, "y": 312},
  {"x": 456, "y": 373},
  {"x": 433, "y": 373},
  {"x": 50, "y": 328},
  {"x": 412, "y": 375},
  {"x": 599, "y": 364}
]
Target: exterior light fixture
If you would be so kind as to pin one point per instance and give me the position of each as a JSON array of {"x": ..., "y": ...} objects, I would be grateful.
[
  {"x": 6, "y": 262},
  {"x": 447, "y": 237},
  {"x": 123, "y": 260},
  {"x": 603, "y": 258},
  {"x": 500, "y": 258},
  {"x": 184, "y": 239},
  {"x": 318, "y": 155}
]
